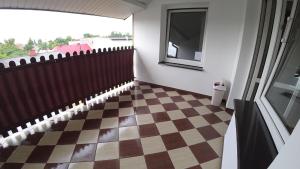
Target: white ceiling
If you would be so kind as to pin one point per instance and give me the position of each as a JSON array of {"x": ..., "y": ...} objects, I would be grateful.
[{"x": 120, "y": 9}]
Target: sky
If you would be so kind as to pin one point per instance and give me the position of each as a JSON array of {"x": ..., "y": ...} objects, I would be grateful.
[{"x": 45, "y": 25}]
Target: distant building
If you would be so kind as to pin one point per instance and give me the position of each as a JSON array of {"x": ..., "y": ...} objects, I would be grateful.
[
  {"x": 101, "y": 42},
  {"x": 72, "y": 48}
]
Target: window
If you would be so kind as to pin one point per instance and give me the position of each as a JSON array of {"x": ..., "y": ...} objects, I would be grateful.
[
  {"x": 278, "y": 97},
  {"x": 283, "y": 93},
  {"x": 185, "y": 37}
]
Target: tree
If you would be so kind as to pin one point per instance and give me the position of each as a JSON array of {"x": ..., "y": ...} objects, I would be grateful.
[
  {"x": 42, "y": 45},
  {"x": 59, "y": 41},
  {"x": 51, "y": 44},
  {"x": 69, "y": 38},
  {"x": 9, "y": 49},
  {"x": 30, "y": 45}
]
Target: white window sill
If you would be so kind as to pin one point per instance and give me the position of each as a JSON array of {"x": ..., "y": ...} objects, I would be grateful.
[{"x": 181, "y": 66}]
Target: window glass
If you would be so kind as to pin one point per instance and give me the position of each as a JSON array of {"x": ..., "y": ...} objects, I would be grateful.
[
  {"x": 283, "y": 93},
  {"x": 186, "y": 33}
]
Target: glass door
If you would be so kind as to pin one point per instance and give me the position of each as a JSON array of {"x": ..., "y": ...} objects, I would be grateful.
[{"x": 281, "y": 97}]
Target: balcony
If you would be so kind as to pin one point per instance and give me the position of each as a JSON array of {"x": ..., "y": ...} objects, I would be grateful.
[
  {"x": 86, "y": 115},
  {"x": 139, "y": 127},
  {"x": 149, "y": 106}
]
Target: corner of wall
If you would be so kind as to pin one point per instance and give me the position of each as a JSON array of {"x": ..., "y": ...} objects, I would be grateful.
[{"x": 246, "y": 50}]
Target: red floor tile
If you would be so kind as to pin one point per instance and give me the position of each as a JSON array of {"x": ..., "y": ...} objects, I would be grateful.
[
  {"x": 110, "y": 113},
  {"x": 33, "y": 139},
  {"x": 212, "y": 119},
  {"x": 142, "y": 110},
  {"x": 195, "y": 167},
  {"x": 127, "y": 121},
  {"x": 173, "y": 141},
  {"x": 214, "y": 108},
  {"x": 148, "y": 130},
  {"x": 159, "y": 161},
  {"x": 60, "y": 126},
  {"x": 152, "y": 101},
  {"x": 6, "y": 152},
  {"x": 84, "y": 152},
  {"x": 183, "y": 124},
  {"x": 79, "y": 116},
  {"x": 130, "y": 148},
  {"x": 98, "y": 106},
  {"x": 160, "y": 117},
  {"x": 40, "y": 154},
  {"x": 208, "y": 132},
  {"x": 195, "y": 103},
  {"x": 56, "y": 166},
  {"x": 177, "y": 99},
  {"x": 12, "y": 166},
  {"x": 108, "y": 135},
  {"x": 161, "y": 94},
  {"x": 190, "y": 112},
  {"x": 147, "y": 91},
  {"x": 203, "y": 152},
  {"x": 91, "y": 124},
  {"x": 125, "y": 104},
  {"x": 107, "y": 164},
  {"x": 170, "y": 106},
  {"x": 137, "y": 96},
  {"x": 69, "y": 137}
]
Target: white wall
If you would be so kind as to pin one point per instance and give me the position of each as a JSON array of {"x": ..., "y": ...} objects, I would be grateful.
[
  {"x": 288, "y": 157},
  {"x": 230, "y": 156},
  {"x": 223, "y": 38},
  {"x": 240, "y": 75}
]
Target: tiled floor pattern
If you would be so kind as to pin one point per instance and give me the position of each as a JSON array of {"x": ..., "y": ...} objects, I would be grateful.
[{"x": 150, "y": 126}]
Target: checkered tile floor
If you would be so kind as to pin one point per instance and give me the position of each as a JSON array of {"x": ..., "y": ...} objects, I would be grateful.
[{"x": 150, "y": 126}]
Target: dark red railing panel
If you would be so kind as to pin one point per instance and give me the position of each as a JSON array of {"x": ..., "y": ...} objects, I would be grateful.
[
  {"x": 118, "y": 62},
  {"x": 105, "y": 73},
  {"x": 6, "y": 98},
  {"x": 66, "y": 75},
  {"x": 108, "y": 71},
  {"x": 99, "y": 71},
  {"x": 122, "y": 63},
  {"x": 32, "y": 90},
  {"x": 51, "y": 85},
  {"x": 25, "y": 71},
  {"x": 93, "y": 71}
]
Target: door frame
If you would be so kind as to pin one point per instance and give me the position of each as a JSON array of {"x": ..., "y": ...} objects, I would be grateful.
[
  {"x": 265, "y": 26},
  {"x": 277, "y": 129}
]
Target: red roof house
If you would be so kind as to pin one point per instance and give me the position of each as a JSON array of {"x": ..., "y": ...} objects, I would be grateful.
[
  {"x": 72, "y": 48},
  {"x": 32, "y": 53}
]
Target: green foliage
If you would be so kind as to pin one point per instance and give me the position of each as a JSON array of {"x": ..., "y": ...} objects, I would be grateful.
[
  {"x": 51, "y": 44},
  {"x": 9, "y": 49},
  {"x": 59, "y": 41},
  {"x": 42, "y": 45},
  {"x": 30, "y": 45},
  {"x": 88, "y": 35}
]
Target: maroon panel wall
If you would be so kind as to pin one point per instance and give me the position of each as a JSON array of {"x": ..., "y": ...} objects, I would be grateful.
[{"x": 32, "y": 90}]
